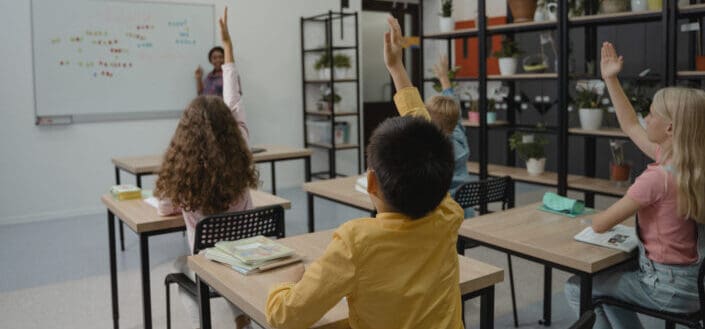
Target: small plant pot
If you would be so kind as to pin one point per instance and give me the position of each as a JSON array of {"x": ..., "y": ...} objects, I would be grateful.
[
  {"x": 613, "y": 6},
  {"x": 341, "y": 72},
  {"x": 536, "y": 167},
  {"x": 590, "y": 119},
  {"x": 700, "y": 63},
  {"x": 508, "y": 65},
  {"x": 640, "y": 5},
  {"x": 522, "y": 10},
  {"x": 491, "y": 117},
  {"x": 619, "y": 173},
  {"x": 324, "y": 74},
  {"x": 474, "y": 117},
  {"x": 655, "y": 4},
  {"x": 528, "y": 138},
  {"x": 446, "y": 24}
]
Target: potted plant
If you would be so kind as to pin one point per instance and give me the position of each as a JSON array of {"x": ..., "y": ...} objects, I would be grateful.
[
  {"x": 638, "y": 94},
  {"x": 508, "y": 56},
  {"x": 588, "y": 99},
  {"x": 341, "y": 64},
  {"x": 619, "y": 169},
  {"x": 522, "y": 10},
  {"x": 639, "y": 5},
  {"x": 491, "y": 110},
  {"x": 446, "y": 22},
  {"x": 532, "y": 152},
  {"x": 326, "y": 97},
  {"x": 613, "y": 6},
  {"x": 474, "y": 112},
  {"x": 323, "y": 65},
  {"x": 575, "y": 8}
]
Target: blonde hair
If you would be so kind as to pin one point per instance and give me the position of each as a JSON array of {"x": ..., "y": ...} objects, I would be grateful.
[
  {"x": 685, "y": 108},
  {"x": 444, "y": 112}
]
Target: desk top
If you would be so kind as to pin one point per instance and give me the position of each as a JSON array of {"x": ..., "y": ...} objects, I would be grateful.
[
  {"x": 150, "y": 164},
  {"x": 341, "y": 190},
  {"x": 542, "y": 235},
  {"x": 250, "y": 292},
  {"x": 141, "y": 217}
]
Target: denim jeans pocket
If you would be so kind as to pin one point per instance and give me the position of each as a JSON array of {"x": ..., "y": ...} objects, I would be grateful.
[{"x": 659, "y": 289}]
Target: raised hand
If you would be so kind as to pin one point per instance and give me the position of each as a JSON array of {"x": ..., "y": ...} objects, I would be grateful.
[
  {"x": 610, "y": 63},
  {"x": 199, "y": 73},
  {"x": 225, "y": 37},
  {"x": 440, "y": 69},
  {"x": 393, "y": 44}
]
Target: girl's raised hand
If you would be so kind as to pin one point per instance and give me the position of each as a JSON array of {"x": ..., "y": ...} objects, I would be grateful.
[
  {"x": 610, "y": 63},
  {"x": 224, "y": 34}
]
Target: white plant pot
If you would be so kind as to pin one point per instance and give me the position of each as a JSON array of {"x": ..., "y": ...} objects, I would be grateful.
[
  {"x": 341, "y": 72},
  {"x": 447, "y": 24},
  {"x": 590, "y": 119},
  {"x": 508, "y": 65},
  {"x": 640, "y": 5},
  {"x": 324, "y": 74},
  {"x": 527, "y": 139},
  {"x": 536, "y": 167}
]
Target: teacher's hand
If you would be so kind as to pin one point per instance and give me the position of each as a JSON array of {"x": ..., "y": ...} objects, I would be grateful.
[{"x": 199, "y": 73}]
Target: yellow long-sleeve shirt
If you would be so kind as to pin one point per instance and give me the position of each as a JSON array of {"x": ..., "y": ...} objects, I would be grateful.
[{"x": 395, "y": 272}]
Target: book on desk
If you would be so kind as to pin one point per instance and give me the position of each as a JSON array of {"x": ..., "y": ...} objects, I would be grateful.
[
  {"x": 251, "y": 255},
  {"x": 619, "y": 237}
]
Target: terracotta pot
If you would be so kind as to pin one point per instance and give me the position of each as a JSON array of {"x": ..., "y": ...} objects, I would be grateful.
[
  {"x": 522, "y": 10},
  {"x": 619, "y": 173},
  {"x": 700, "y": 63}
]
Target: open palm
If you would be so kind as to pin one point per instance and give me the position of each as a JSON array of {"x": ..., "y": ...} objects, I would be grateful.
[
  {"x": 610, "y": 64},
  {"x": 393, "y": 43}
]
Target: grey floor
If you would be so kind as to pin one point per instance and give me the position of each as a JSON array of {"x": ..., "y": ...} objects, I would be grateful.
[{"x": 54, "y": 274}]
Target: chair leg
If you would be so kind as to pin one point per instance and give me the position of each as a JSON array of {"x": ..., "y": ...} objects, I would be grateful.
[
  {"x": 460, "y": 246},
  {"x": 511, "y": 287},
  {"x": 168, "y": 307}
]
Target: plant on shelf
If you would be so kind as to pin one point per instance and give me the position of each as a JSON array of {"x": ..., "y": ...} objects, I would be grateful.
[
  {"x": 522, "y": 10},
  {"x": 619, "y": 169},
  {"x": 324, "y": 103},
  {"x": 575, "y": 8},
  {"x": 491, "y": 110},
  {"x": 323, "y": 66},
  {"x": 640, "y": 92},
  {"x": 508, "y": 56},
  {"x": 531, "y": 150},
  {"x": 590, "y": 103},
  {"x": 613, "y": 6},
  {"x": 474, "y": 111},
  {"x": 447, "y": 24},
  {"x": 341, "y": 64}
]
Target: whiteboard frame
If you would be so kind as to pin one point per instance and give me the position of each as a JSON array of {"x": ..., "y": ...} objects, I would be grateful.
[{"x": 48, "y": 120}]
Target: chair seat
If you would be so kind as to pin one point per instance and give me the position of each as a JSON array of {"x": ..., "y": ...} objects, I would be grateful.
[
  {"x": 185, "y": 282},
  {"x": 689, "y": 319}
]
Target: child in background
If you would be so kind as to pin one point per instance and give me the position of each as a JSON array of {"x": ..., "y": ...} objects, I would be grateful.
[
  {"x": 669, "y": 198},
  {"x": 400, "y": 269},
  {"x": 445, "y": 112},
  {"x": 213, "y": 83},
  {"x": 208, "y": 168}
]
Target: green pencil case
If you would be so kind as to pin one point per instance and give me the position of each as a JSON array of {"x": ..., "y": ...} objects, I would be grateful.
[{"x": 561, "y": 205}]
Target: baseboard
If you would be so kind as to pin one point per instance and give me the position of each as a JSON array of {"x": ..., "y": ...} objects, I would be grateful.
[{"x": 51, "y": 215}]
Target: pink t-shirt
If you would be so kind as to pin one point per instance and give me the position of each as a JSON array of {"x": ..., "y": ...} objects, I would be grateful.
[{"x": 668, "y": 238}]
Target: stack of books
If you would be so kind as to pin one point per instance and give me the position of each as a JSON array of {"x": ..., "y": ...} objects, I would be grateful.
[
  {"x": 126, "y": 192},
  {"x": 252, "y": 255},
  {"x": 361, "y": 184}
]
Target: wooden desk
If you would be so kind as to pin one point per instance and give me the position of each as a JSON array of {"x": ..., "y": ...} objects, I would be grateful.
[
  {"x": 249, "y": 293},
  {"x": 143, "y": 220},
  {"x": 547, "y": 239},
  {"x": 150, "y": 165},
  {"x": 340, "y": 190}
]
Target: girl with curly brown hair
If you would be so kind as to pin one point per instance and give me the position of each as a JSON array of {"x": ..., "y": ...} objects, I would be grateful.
[{"x": 208, "y": 167}]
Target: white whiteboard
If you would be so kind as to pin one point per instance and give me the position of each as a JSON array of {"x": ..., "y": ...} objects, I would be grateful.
[{"x": 106, "y": 60}]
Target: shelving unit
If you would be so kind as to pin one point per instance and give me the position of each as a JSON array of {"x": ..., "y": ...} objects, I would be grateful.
[
  {"x": 590, "y": 21},
  {"x": 326, "y": 20}
]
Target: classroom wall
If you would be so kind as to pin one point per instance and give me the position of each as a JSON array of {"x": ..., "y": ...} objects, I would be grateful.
[{"x": 61, "y": 171}]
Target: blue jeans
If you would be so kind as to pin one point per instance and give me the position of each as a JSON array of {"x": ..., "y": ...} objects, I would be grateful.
[{"x": 671, "y": 288}]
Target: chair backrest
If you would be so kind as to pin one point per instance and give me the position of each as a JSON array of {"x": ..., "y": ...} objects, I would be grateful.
[
  {"x": 586, "y": 321},
  {"x": 494, "y": 189},
  {"x": 238, "y": 225}
]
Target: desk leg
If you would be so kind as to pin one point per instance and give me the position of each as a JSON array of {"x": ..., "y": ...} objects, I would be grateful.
[
  {"x": 122, "y": 230},
  {"x": 585, "y": 292},
  {"x": 204, "y": 304},
  {"x": 547, "y": 280},
  {"x": 146, "y": 292},
  {"x": 309, "y": 198},
  {"x": 113, "y": 268},
  {"x": 487, "y": 308},
  {"x": 307, "y": 168},
  {"x": 274, "y": 178}
]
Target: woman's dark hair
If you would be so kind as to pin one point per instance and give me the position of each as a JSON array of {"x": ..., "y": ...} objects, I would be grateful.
[{"x": 214, "y": 49}]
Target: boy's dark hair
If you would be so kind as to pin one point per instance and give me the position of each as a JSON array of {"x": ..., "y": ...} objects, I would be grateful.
[
  {"x": 214, "y": 49},
  {"x": 413, "y": 161}
]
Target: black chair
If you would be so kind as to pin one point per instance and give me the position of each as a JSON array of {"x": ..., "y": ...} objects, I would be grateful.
[
  {"x": 586, "y": 321},
  {"x": 267, "y": 221},
  {"x": 498, "y": 189}
]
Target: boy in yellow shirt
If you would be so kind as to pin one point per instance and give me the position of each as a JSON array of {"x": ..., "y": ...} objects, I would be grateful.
[{"x": 399, "y": 269}]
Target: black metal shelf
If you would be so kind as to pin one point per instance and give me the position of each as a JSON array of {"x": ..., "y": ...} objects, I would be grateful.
[
  {"x": 626, "y": 17},
  {"x": 522, "y": 27},
  {"x": 691, "y": 11},
  {"x": 330, "y": 116}
]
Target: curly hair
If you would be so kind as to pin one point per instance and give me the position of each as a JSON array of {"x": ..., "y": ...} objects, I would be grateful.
[{"x": 208, "y": 164}]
